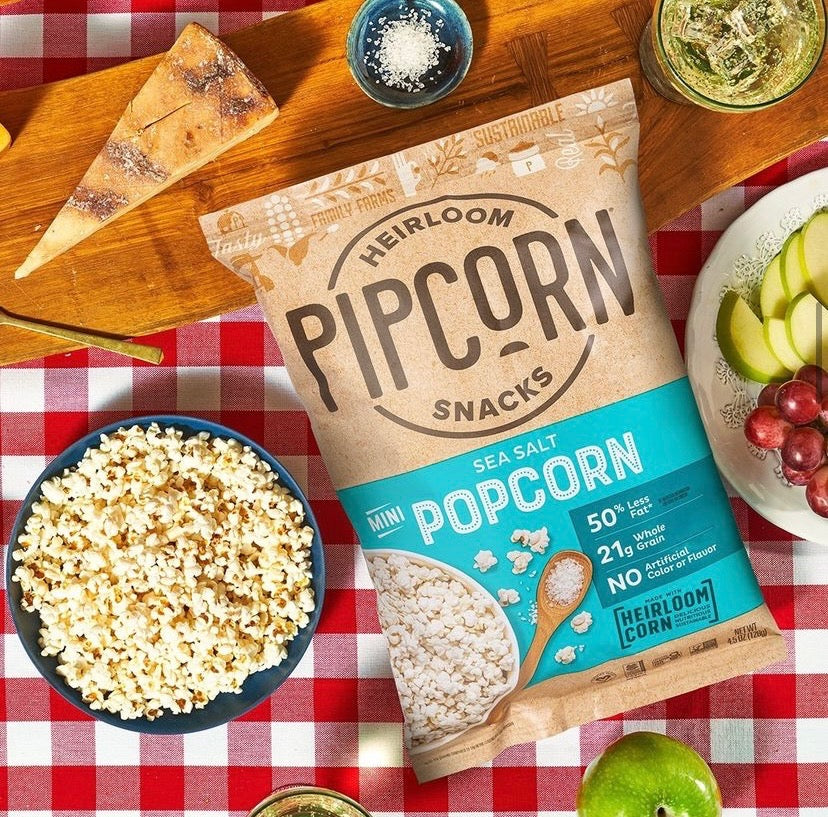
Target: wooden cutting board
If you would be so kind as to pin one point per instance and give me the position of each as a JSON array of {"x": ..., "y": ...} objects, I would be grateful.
[{"x": 151, "y": 270}]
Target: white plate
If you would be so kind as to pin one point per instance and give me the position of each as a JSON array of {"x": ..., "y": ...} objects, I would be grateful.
[{"x": 724, "y": 397}]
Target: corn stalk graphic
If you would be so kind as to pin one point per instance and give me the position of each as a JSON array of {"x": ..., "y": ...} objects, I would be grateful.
[
  {"x": 345, "y": 185},
  {"x": 447, "y": 161},
  {"x": 606, "y": 148}
]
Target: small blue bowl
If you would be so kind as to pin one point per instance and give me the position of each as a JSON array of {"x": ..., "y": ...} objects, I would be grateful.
[
  {"x": 449, "y": 24},
  {"x": 226, "y": 706}
]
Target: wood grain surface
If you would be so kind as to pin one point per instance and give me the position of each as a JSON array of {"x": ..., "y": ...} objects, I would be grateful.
[{"x": 151, "y": 270}]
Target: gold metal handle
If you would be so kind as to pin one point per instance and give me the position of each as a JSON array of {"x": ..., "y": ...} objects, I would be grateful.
[{"x": 151, "y": 354}]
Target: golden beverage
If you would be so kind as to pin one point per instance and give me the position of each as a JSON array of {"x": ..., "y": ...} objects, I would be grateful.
[{"x": 732, "y": 54}]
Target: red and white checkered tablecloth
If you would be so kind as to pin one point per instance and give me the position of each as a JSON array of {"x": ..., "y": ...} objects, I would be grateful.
[{"x": 337, "y": 722}]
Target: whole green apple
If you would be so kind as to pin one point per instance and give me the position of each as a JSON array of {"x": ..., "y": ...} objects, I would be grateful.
[{"x": 645, "y": 774}]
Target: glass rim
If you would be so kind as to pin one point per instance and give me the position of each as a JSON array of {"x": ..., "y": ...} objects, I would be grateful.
[
  {"x": 756, "y": 106},
  {"x": 299, "y": 789}
]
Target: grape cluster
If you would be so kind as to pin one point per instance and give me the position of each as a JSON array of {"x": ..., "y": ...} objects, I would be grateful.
[{"x": 792, "y": 418}]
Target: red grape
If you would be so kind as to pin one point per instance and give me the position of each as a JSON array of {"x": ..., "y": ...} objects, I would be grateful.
[
  {"x": 816, "y": 492},
  {"x": 793, "y": 417},
  {"x": 816, "y": 376},
  {"x": 767, "y": 397},
  {"x": 766, "y": 428},
  {"x": 804, "y": 449},
  {"x": 823, "y": 411},
  {"x": 797, "y": 402},
  {"x": 797, "y": 477}
]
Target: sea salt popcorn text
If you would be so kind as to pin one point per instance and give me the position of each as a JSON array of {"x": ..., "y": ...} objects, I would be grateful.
[
  {"x": 520, "y": 560},
  {"x": 484, "y": 560}
]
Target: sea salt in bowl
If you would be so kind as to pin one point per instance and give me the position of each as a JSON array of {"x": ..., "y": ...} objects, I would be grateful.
[{"x": 409, "y": 53}]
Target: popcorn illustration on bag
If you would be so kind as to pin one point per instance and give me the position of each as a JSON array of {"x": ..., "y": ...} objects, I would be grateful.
[
  {"x": 507, "y": 596},
  {"x": 520, "y": 560},
  {"x": 581, "y": 622},
  {"x": 485, "y": 560}
]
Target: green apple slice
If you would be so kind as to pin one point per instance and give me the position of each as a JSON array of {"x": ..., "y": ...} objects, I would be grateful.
[
  {"x": 776, "y": 336},
  {"x": 813, "y": 255},
  {"x": 742, "y": 341},
  {"x": 772, "y": 298},
  {"x": 806, "y": 322},
  {"x": 793, "y": 276}
]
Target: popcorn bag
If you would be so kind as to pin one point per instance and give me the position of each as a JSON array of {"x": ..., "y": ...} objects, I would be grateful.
[{"x": 476, "y": 332}]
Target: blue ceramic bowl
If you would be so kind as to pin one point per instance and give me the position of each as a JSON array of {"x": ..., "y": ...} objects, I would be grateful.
[
  {"x": 226, "y": 706},
  {"x": 448, "y": 23}
]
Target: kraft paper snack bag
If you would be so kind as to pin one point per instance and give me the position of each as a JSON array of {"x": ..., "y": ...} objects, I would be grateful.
[{"x": 477, "y": 335}]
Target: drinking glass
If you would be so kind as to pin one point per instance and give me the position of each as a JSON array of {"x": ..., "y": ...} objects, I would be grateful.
[
  {"x": 732, "y": 55},
  {"x": 308, "y": 801}
]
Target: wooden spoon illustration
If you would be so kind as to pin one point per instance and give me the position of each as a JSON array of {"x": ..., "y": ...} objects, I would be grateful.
[
  {"x": 550, "y": 616},
  {"x": 151, "y": 354}
]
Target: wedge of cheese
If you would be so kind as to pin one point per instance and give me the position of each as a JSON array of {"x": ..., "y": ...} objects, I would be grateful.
[{"x": 200, "y": 101}]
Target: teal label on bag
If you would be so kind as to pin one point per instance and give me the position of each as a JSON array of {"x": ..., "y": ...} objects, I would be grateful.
[{"x": 631, "y": 485}]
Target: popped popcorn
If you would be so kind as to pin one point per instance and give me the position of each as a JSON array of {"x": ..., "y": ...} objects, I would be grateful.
[
  {"x": 565, "y": 655},
  {"x": 537, "y": 541},
  {"x": 520, "y": 560},
  {"x": 165, "y": 570},
  {"x": 507, "y": 596},
  {"x": 450, "y": 645},
  {"x": 484, "y": 560},
  {"x": 582, "y": 622}
]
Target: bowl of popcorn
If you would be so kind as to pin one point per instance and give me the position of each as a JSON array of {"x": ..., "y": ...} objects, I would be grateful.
[
  {"x": 452, "y": 648},
  {"x": 165, "y": 574}
]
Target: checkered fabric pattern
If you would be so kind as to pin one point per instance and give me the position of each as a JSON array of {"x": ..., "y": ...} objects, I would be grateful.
[
  {"x": 46, "y": 40},
  {"x": 337, "y": 722}
]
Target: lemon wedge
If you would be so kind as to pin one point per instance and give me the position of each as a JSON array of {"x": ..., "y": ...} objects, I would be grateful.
[{"x": 5, "y": 138}]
